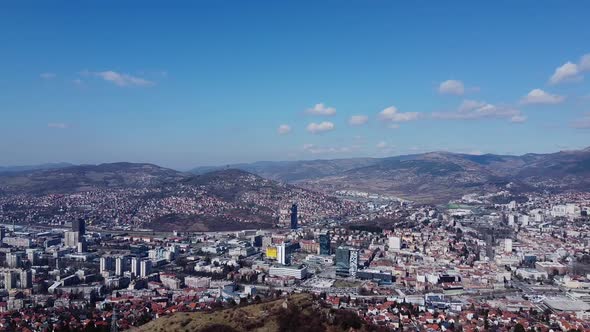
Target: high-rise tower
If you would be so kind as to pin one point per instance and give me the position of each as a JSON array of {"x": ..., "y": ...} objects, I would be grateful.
[
  {"x": 325, "y": 244},
  {"x": 79, "y": 226},
  {"x": 294, "y": 216}
]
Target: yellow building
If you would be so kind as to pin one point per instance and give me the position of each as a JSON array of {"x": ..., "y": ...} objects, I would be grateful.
[{"x": 271, "y": 252}]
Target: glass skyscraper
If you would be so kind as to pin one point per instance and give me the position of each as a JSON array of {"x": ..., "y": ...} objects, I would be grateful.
[
  {"x": 325, "y": 244},
  {"x": 294, "y": 216}
]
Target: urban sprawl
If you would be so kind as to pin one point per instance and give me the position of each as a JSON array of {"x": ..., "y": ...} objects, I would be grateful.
[{"x": 88, "y": 260}]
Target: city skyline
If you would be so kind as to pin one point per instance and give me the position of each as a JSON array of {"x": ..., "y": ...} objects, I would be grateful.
[
  {"x": 293, "y": 166},
  {"x": 211, "y": 84}
]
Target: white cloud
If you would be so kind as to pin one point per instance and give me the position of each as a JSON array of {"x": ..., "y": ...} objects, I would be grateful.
[
  {"x": 120, "y": 79},
  {"x": 391, "y": 114},
  {"x": 284, "y": 129},
  {"x": 451, "y": 87},
  {"x": 381, "y": 145},
  {"x": 384, "y": 148},
  {"x": 584, "y": 62},
  {"x": 47, "y": 76},
  {"x": 518, "y": 119},
  {"x": 538, "y": 96},
  {"x": 567, "y": 72},
  {"x": 357, "y": 120},
  {"x": 321, "y": 109},
  {"x": 57, "y": 125},
  {"x": 322, "y": 127},
  {"x": 393, "y": 126},
  {"x": 469, "y": 105},
  {"x": 571, "y": 72},
  {"x": 473, "y": 110},
  {"x": 475, "y": 152},
  {"x": 583, "y": 122}
]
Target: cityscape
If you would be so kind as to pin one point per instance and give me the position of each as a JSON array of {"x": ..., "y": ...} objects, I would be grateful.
[
  {"x": 478, "y": 262},
  {"x": 239, "y": 166}
]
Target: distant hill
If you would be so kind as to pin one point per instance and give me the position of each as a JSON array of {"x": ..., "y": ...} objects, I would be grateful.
[
  {"x": 250, "y": 201},
  {"x": 86, "y": 177},
  {"x": 228, "y": 199},
  {"x": 229, "y": 184},
  {"x": 15, "y": 169},
  {"x": 298, "y": 313},
  {"x": 290, "y": 171},
  {"x": 436, "y": 176},
  {"x": 427, "y": 177}
]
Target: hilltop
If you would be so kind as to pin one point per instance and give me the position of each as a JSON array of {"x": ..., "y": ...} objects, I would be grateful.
[
  {"x": 291, "y": 171},
  {"x": 298, "y": 313},
  {"x": 87, "y": 177},
  {"x": 25, "y": 168}
]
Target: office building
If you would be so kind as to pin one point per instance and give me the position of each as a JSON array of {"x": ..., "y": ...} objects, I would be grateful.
[
  {"x": 342, "y": 261},
  {"x": 82, "y": 246},
  {"x": 294, "y": 216},
  {"x": 395, "y": 243},
  {"x": 10, "y": 278},
  {"x": 170, "y": 281},
  {"x": 512, "y": 219},
  {"x": 33, "y": 256},
  {"x": 79, "y": 226},
  {"x": 507, "y": 245},
  {"x": 13, "y": 260},
  {"x": 26, "y": 279},
  {"x": 197, "y": 282},
  {"x": 257, "y": 241},
  {"x": 325, "y": 244},
  {"x": 136, "y": 266},
  {"x": 283, "y": 254},
  {"x": 297, "y": 272},
  {"x": 145, "y": 268},
  {"x": 347, "y": 261},
  {"x": 285, "y": 250},
  {"x": 71, "y": 239},
  {"x": 17, "y": 241},
  {"x": 75, "y": 237},
  {"x": 120, "y": 265},
  {"x": 271, "y": 252},
  {"x": 107, "y": 263},
  {"x": 377, "y": 275}
]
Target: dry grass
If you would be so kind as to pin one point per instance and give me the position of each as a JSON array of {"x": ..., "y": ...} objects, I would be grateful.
[{"x": 256, "y": 317}]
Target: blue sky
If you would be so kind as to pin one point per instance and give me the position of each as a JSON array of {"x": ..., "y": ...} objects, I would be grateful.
[{"x": 215, "y": 82}]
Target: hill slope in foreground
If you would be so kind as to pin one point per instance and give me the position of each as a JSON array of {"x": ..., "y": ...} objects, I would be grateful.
[{"x": 297, "y": 313}]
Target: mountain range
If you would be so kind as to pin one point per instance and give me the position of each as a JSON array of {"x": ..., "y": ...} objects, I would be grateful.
[
  {"x": 434, "y": 176},
  {"x": 428, "y": 177},
  {"x": 24, "y": 168},
  {"x": 159, "y": 198},
  {"x": 70, "y": 179}
]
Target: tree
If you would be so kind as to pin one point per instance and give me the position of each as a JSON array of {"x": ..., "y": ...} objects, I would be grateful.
[
  {"x": 348, "y": 320},
  {"x": 519, "y": 328}
]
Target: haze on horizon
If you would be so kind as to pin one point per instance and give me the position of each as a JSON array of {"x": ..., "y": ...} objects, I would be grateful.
[{"x": 209, "y": 84}]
